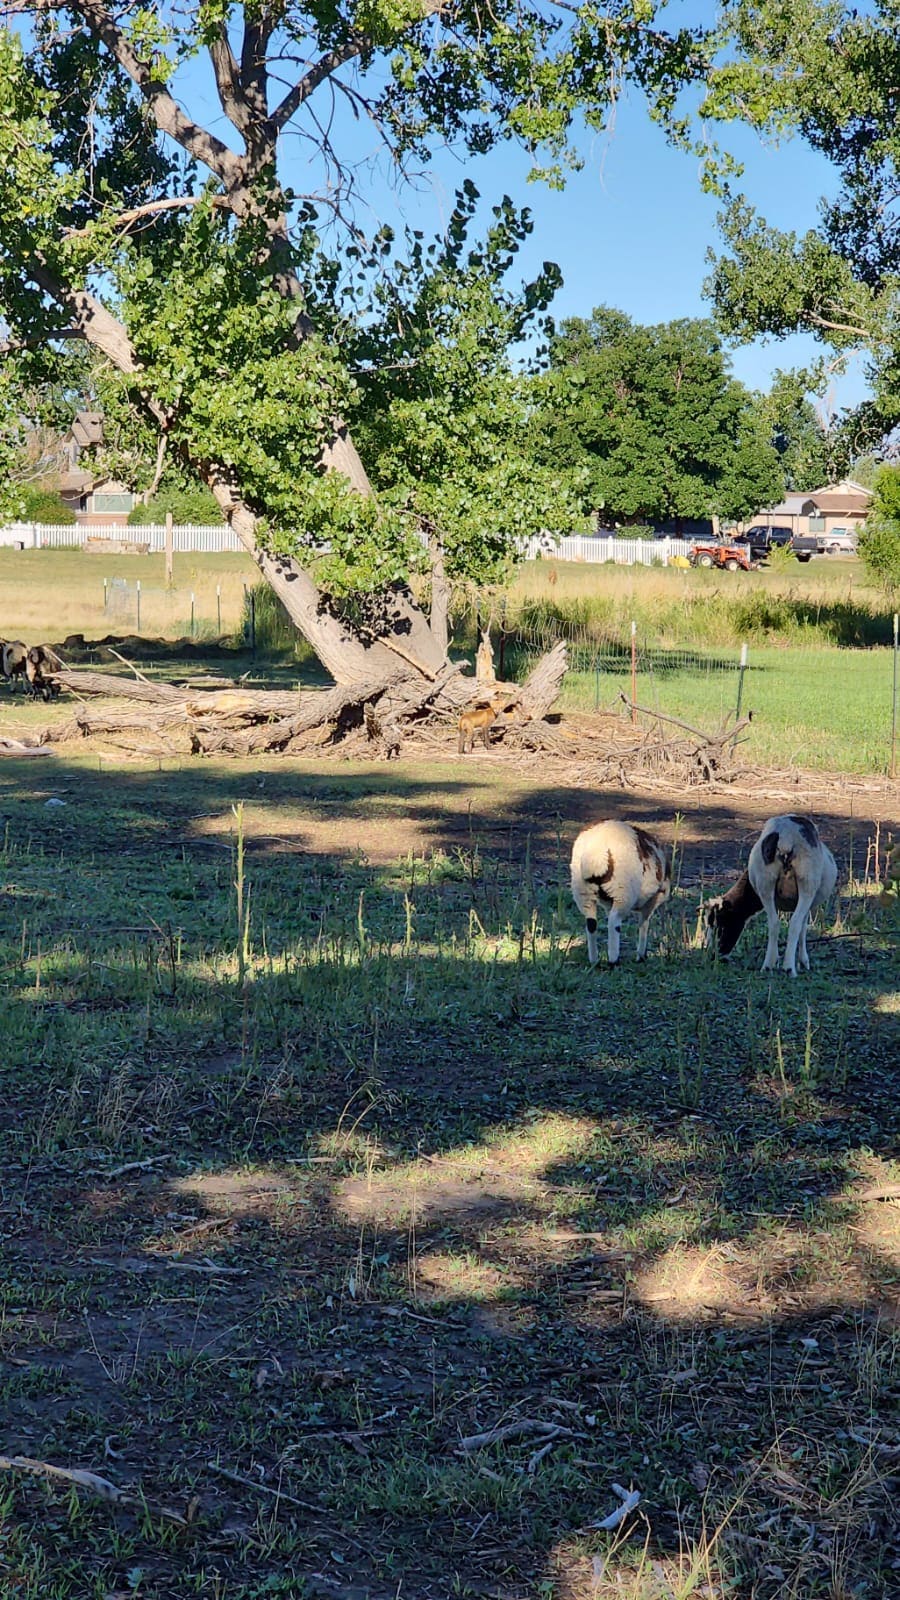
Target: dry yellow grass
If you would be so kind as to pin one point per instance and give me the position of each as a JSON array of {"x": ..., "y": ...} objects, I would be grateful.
[
  {"x": 821, "y": 581},
  {"x": 47, "y": 594}
]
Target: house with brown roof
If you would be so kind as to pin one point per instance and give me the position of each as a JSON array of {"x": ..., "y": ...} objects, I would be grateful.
[
  {"x": 837, "y": 506},
  {"x": 97, "y": 501}
]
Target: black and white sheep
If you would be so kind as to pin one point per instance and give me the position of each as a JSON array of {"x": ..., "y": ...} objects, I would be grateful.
[
  {"x": 624, "y": 870},
  {"x": 13, "y": 659},
  {"x": 789, "y": 870}
]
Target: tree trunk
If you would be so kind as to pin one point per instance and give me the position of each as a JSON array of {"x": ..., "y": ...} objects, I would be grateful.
[
  {"x": 541, "y": 688},
  {"x": 439, "y": 619},
  {"x": 342, "y": 652}
]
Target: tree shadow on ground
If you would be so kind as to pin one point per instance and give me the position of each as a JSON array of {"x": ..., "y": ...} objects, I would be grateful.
[{"x": 413, "y": 1174}]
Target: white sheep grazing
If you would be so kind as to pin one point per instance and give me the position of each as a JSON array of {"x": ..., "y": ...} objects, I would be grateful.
[
  {"x": 789, "y": 870},
  {"x": 623, "y": 869}
]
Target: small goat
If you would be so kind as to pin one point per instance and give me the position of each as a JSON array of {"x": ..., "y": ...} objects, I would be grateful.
[
  {"x": 13, "y": 658},
  {"x": 625, "y": 870},
  {"x": 479, "y": 720},
  {"x": 40, "y": 664},
  {"x": 789, "y": 870}
]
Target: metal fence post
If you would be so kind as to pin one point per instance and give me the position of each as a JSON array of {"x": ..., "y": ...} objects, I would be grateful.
[
  {"x": 138, "y": 605},
  {"x": 192, "y": 613},
  {"x": 219, "y": 609},
  {"x": 742, "y": 670},
  {"x": 894, "y": 701},
  {"x": 633, "y": 672}
]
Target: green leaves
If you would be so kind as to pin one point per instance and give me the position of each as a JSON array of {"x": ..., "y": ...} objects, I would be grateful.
[
  {"x": 829, "y": 73},
  {"x": 654, "y": 421},
  {"x": 442, "y": 415},
  {"x": 879, "y": 543}
]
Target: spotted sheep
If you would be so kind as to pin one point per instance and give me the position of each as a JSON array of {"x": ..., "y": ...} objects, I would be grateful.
[
  {"x": 790, "y": 870},
  {"x": 624, "y": 869}
]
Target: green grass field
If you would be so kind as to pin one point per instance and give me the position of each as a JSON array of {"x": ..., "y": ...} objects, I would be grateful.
[
  {"x": 826, "y": 709},
  {"x": 819, "y": 699},
  {"x": 363, "y": 1239},
  {"x": 47, "y": 594}
]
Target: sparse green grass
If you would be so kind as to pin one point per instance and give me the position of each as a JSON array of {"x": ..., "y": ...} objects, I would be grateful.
[
  {"x": 829, "y": 709},
  {"x": 412, "y": 1172}
]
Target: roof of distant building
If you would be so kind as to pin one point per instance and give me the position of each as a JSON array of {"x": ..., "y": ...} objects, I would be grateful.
[
  {"x": 87, "y": 428},
  {"x": 838, "y": 501}
]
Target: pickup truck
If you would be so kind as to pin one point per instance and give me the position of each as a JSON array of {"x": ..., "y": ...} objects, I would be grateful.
[
  {"x": 806, "y": 545},
  {"x": 761, "y": 540},
  {"x": 836, "y": 543}
]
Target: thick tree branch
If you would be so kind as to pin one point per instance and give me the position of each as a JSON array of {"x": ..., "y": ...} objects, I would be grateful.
[
  {"x": 152, "y": 207},
  {"x": 167, "y": 113},
  {"x": 8, "y": 347},
  {"x": 255, "y": 65},
  {"x": 318, "y": 72},
  {"x": 355, "y": 45},
  {"x": 837, "y": 327},
  {"x": 228, "y": 82}
]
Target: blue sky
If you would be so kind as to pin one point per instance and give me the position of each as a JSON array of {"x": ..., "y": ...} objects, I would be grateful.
[{"x": 630, "y": 230}]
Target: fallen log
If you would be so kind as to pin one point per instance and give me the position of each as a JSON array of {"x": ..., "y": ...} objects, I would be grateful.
[
  {"x": 248, "y": 722},
  {"x": 540, "y": 691},
  {"x": 15, "y": 747},
  {"x": 214, "y": 739},
  {"x": 117, "y": 685}
]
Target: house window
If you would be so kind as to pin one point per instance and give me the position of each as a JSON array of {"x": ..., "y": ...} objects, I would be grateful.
[
  {"x": 113, "y": 502},
  {"x": 817, "y": 524}
]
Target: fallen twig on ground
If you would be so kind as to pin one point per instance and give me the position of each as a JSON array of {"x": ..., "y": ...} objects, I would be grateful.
[
  {"x": 128, "y": 1166},
  {"x": 630, "y": 1499},
  {"x": 77, "y": 1475},
  {"x": 261, "y": 1488},
  {"x": 514, "y": 1430}
]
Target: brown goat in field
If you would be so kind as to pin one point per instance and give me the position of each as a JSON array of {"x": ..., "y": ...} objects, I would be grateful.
[{"x": 480, "y": 721}]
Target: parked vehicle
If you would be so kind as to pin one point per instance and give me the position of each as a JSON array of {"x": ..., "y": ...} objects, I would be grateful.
[
  {"x": 839, "y": 542},
  {"x": 805, "y": 546},
  {"x": 762, "y": 538},
  {"x": 731, "y": 557}
]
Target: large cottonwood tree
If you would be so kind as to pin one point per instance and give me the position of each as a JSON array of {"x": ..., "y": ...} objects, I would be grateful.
[{"x": 171, "y": 241}]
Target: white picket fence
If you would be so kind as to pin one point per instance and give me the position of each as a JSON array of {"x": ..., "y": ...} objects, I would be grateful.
[
  {"x": 596, "y": 548},
  {"x": 219, "y": 540},
  {"x": 189, "y": 536}
]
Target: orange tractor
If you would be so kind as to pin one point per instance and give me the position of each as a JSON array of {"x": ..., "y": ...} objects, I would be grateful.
[{"x": 731, "y": 557}]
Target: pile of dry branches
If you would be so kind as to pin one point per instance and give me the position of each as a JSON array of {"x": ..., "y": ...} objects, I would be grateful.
[{"x": 378, "y": 716}]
